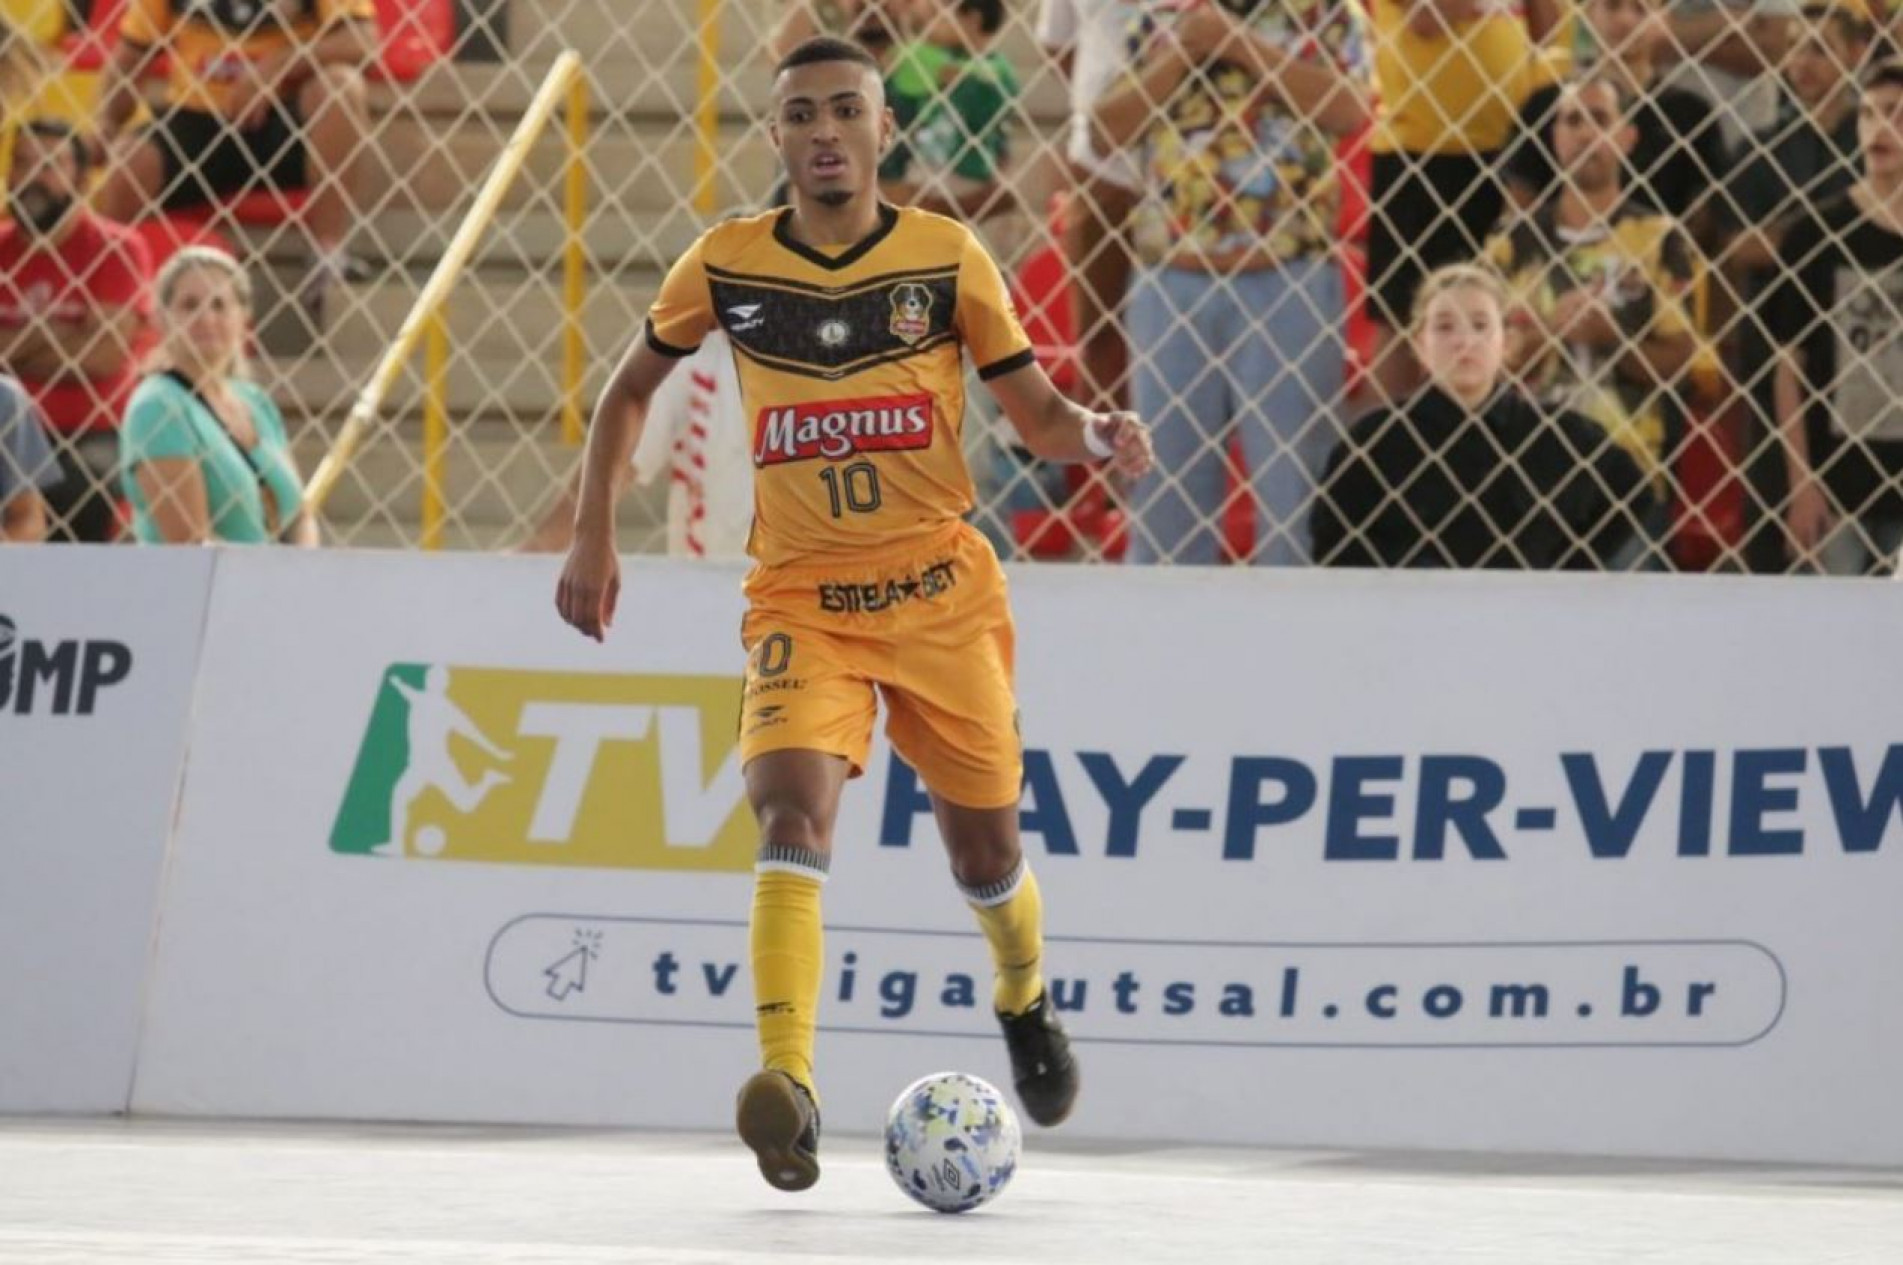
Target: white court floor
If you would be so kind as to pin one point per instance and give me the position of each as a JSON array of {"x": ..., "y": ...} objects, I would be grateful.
[{"x": 189, "y": 1193}]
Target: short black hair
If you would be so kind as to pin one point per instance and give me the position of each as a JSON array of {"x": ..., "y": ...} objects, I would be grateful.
[
  {"x": 57, "y": 132},
  {"x": 825, "y": 48},
  {"x": 1884, "y": 72},
  {"x": 990, "y": 13}
]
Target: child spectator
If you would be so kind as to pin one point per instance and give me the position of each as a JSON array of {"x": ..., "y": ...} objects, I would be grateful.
[
  {"x": 952, "y": 101},
  {"x": 1469, "y": 472}
]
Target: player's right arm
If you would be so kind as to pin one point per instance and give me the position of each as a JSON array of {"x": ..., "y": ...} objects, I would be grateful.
[
  {"x": 591, "y": 579},
  {"x": 683, "y": 314}
]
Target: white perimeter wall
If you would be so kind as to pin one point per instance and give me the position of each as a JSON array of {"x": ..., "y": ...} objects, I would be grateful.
[{"x": 1601, "y": 864}]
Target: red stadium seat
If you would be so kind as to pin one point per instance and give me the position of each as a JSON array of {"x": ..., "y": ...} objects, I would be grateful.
[
  {"x": 90, "y": 46},
  {"x": 416, "y": 35},
  {"x": 1708, "y": 513}
]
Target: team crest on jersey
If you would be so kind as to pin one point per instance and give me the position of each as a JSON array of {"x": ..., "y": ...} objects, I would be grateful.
[{"x": 911, "y": 312}]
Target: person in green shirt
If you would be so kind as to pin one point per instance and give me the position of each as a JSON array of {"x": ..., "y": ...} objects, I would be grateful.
[
  {"x": 203, "y": 451},
  {"x": 953, "y": 102}
]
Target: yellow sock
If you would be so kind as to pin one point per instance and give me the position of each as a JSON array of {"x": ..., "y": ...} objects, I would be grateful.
[
  {"x": 1011, "y": 914},
  {"x": 787, "y": 944}
]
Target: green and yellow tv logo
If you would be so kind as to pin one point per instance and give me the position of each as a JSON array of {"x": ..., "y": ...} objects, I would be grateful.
[{"x": 550, "y": 768}]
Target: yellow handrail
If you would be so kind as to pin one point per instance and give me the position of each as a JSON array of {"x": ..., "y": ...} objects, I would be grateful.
[
  {"x": 435, "y": 425},
  {"x": 548, "y": 97},
  {"x": 574, "y": 260},
  {"x": 707, "y": 110}
]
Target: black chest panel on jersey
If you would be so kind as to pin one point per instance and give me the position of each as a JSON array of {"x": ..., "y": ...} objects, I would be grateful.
[{"x": 833, "y": 332}]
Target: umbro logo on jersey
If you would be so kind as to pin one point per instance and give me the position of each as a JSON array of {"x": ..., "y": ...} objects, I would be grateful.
[
  {"x": 745, "y": 316},
  {"x": 835, "y": 429}
]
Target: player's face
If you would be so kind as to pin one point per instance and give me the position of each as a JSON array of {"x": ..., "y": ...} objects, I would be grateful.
[
  {"x": 1462, "y": 342},
  {"x": 830, "y": 125},
  {"x": 1880, "y": 131}
]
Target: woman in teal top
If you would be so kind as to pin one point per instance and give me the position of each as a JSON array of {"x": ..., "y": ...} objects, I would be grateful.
[{"x": 203, "y": 452}]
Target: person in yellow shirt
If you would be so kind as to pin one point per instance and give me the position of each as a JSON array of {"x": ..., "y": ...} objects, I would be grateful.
[
  {"x": 261, "y": 94},
  {"x": 849, "y": 319},
  {"x": 1451, "y": 76}
]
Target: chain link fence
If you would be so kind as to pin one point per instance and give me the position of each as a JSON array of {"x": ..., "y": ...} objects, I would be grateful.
[{"x": 1220, "y": 215}]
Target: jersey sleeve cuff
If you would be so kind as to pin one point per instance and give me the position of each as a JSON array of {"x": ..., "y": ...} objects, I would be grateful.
[
  {"x": 666, "y": 348},
  {"x": 1010, "y": 364}
]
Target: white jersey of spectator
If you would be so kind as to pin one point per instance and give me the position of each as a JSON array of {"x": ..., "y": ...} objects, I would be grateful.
[
  {"x": 697, "y": 436},
  {"x": 1098, "y": 34}
]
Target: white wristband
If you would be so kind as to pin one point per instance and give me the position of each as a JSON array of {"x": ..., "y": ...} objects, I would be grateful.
[{"x": 1094, "y": 444}]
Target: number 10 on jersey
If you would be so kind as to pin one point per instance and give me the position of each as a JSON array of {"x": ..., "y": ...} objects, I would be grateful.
[{"x": 853, "y": 488}]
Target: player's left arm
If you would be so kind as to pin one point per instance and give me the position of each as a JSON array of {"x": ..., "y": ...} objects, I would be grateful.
[
  {"x": 1051, "y": 426},
  {"x": 1054, "y": 428}
]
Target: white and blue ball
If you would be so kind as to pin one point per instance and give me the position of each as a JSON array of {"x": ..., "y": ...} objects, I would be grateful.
[{"x": 952, "y": 1141}]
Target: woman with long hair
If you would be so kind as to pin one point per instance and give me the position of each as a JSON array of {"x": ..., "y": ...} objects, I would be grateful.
[
  {"x": 203, "y": 451},
  {"x": 1469, "y": 472}
]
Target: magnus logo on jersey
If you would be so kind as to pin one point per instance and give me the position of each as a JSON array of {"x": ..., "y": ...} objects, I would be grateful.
[
  {"x": 835, "y": 429},
  {"x": 59, "y": 678},
  {"x": 550, "y": 768}
]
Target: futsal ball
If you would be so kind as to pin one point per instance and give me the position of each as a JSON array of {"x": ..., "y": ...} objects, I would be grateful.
[{"x": 951, "y": 1142}]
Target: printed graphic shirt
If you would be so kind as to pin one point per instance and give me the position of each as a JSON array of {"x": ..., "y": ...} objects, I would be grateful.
[
  {"x": 1640, "y": 265},
  {"x": 1238, "y": 179},
  {"x": 850, "y": 371},
  {"x": 1840, "y": 310},
  {"x": 211, "y": 40}
]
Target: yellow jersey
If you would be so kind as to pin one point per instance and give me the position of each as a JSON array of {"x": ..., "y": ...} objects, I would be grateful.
[
  {"x": 851, "y": 372},
  {"x": 1455, "y": 92},
  {"x": 212, "y": 39}
]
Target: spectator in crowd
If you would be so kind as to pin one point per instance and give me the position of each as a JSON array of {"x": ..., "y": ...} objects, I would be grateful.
[
  {"x": 27, "y": 467},
  {"x": 74, "y": 299},
  {"x": 1088, "y": 38},
  {"x": 1599, "y": 284},
  {"x": 1677, "y": 155},
  {"x": 260, "y": 96},
  {"x": 1239, "y": 310},
  {"x": 1837, "y": 318},
  {"x": 953, "y": 102},
  {"x": 204, "y": 456},
  {"x": 697, "y": 435},
  {"x": 1470, "y": 472},
  {"x": 1451, "y": 76},
  {"x": 1727, "y": 52},
  {"x": 1807, "y": 157}
]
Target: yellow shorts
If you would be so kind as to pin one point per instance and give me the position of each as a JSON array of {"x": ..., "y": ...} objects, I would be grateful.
[{"x": 926, "y": 626}]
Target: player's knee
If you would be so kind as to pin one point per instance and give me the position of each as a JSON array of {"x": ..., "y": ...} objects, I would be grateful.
[
  {"x": 984, "y": 865},
  {"x": 788, "y": 823}
]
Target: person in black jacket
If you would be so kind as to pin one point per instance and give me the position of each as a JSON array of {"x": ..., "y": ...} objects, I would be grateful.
[{"x": 1469, "y": 472}]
